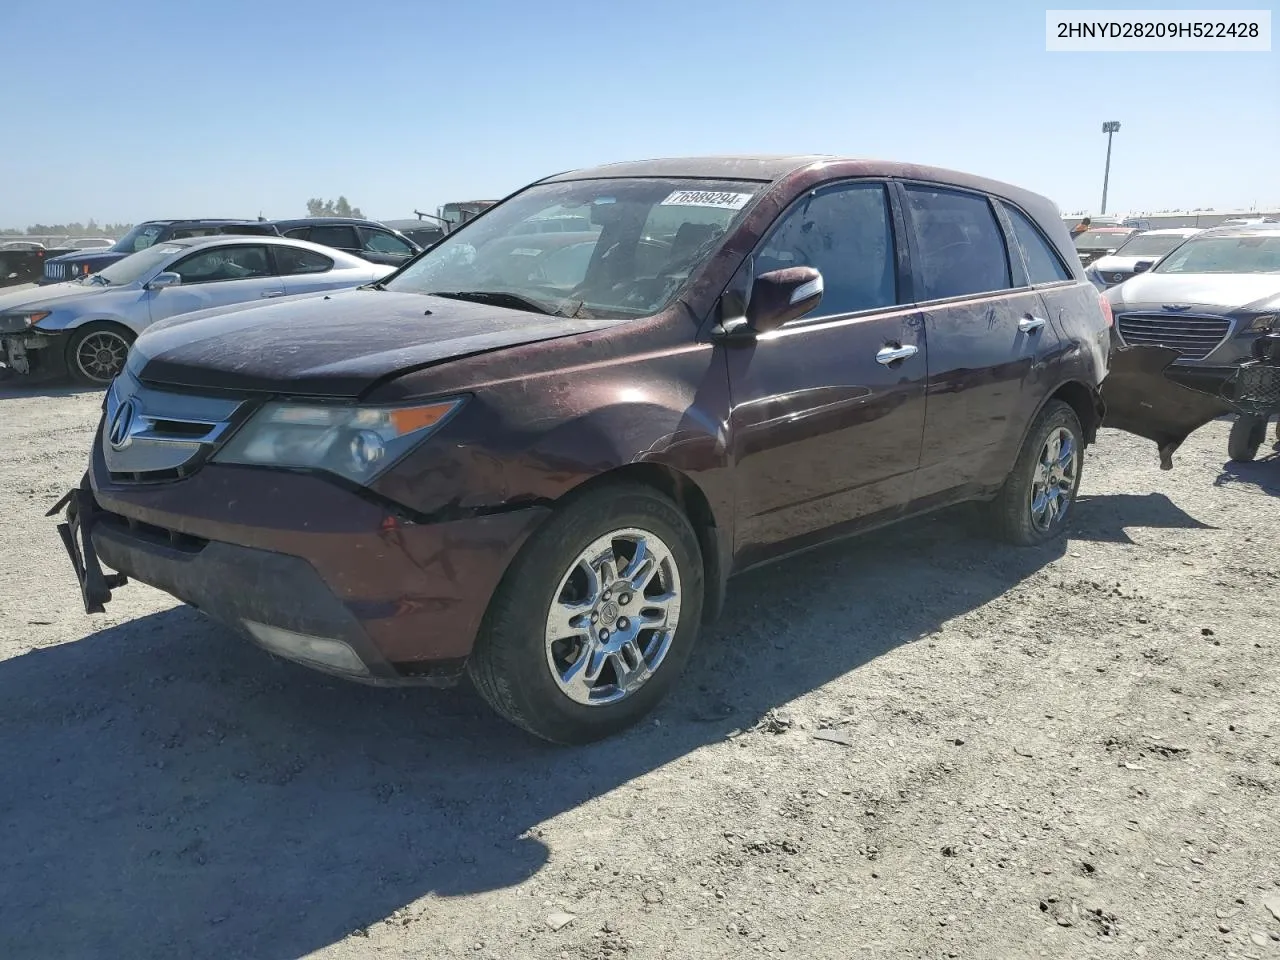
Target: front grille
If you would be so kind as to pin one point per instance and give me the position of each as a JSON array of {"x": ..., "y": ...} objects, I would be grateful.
[
  {"x": 55, "y": 271},
  {"x": 1194, "y": 337},
  {"x": 152, "y": 436}
]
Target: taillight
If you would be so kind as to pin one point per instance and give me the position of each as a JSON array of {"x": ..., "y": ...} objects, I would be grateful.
[{"x": 1106, "y": 309}]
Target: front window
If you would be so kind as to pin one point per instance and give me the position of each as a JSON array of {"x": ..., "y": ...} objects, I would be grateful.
[
  {"x": 139, "y": 238},
  {"x": 1093, "y": 240},
  {"x": 138, "y": 265},
  {"x": 1145, "y": 245},
  {"x": 1225, "y": 255},
  {"x": 643, "y": 239}
]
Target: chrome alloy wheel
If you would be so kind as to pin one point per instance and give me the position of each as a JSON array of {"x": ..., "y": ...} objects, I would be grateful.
[
  {"x": 101, "y": 355},
  {"x": 1054, "y": 479},
  {"x": 613, "y": 617}
]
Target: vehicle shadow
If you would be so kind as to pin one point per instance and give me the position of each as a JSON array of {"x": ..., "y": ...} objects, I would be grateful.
[
  {"x": 169, "y": 789},
  {"x": 16, "y": 386},
  {"x": 1103, "y": 519},
  {"x": 1263, "y": 473}
]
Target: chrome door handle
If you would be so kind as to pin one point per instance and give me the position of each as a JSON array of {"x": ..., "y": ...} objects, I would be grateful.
[
  {"x": 1030, "y": 324},
  {"x": 271, "y": 293},
  {"x": 888, "y": 355}
]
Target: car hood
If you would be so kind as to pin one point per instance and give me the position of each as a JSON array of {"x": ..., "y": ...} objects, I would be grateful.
[
  {"x": 1113, "y": 262},
  {"x": 51, "y": 296},
  {"x": 89, "y": 256},
  {"x": 1226, "y": 291},
  {"x": 336, "y": 344}
]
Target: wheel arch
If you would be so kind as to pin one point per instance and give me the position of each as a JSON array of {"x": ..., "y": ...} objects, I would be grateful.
[{"x": 693, "y": 502}]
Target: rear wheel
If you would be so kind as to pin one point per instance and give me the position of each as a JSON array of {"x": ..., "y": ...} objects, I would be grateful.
[
  {"x": 96, "y": 352},
  {"x": 1247, "y": 434},
  {"x": 595, "y": 619},
  {"x": 1033, "y": 505}
]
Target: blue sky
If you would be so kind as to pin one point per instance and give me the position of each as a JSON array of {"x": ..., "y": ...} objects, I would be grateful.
[{"x": 135, "y": 109}]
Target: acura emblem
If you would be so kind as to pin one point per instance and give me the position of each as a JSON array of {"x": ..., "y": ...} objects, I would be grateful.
[
  {"x": 1176, "y": 307},
  {"x": 120, "y": 430}
]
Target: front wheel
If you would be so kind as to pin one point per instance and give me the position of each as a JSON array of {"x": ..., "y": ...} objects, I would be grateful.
[
  {"x": 1247, "y": 434},
  {"x": 1037, "y": 496},
  {"x": 96, "y": 353},
  {"x": 595, "y": 619}
]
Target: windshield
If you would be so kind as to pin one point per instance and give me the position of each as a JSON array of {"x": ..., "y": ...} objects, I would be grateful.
[
  {"x": 1145, "y": 245},
  {"x": 139, "y": 238},
  {"x": 137, "y": 265},
  {"x": 631, "y": 246},
  {"x": 1225, "y": 255},
  {"x": 1097, "y": 240}
]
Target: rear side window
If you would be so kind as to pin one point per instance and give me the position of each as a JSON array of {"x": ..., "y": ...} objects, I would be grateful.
[
  {"x": 1043, "y": 265},
  {"x": 292, "y": 261},
  {"x": 959, "y": 247},
  {"x": 343, "y": 238},
  {"x": 846, "y": 234},
  {"x": 298, "y": 233},
  {"x": 375, "y": 241}
]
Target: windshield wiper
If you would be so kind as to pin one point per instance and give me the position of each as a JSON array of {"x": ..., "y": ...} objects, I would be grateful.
[{"x": 497, "y": 298}]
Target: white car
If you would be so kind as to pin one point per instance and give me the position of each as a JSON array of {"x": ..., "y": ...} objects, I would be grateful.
[
  {"x": 85, "y": 326},
  {"x": 1141, "y": 248}
]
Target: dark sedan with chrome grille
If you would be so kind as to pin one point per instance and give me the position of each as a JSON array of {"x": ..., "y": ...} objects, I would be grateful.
[{"x": 1209, "y": 299}]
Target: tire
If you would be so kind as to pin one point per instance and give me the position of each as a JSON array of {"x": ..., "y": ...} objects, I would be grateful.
[
  {"x": 520, "y": 668},
  {"x": 1247, "y": 434},
  {"x": 1013, "y": 514},
  {"x": 115, "y": 341}
]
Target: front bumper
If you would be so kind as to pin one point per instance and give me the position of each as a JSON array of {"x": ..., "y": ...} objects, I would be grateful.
[
  {"x": 34, "y": 354},
  {"x": 296, "y": 552}
]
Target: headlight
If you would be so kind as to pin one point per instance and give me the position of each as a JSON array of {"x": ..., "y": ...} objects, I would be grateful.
[
  {"x": 357, "y": 443},
  {"x": 1262, "y": 324}
]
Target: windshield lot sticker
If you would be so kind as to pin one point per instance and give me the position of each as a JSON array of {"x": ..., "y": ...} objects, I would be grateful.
[{"x": 706, "y": 198}]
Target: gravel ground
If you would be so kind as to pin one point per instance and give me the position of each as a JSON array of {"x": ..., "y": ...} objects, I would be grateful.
[{"x": 918, "y": 744}]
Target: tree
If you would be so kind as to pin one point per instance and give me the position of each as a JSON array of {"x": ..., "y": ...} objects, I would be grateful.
[{"x": 317, "y": 207}]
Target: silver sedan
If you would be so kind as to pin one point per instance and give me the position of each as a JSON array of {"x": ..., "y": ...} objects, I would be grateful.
[{"x": 85, "y": 326}]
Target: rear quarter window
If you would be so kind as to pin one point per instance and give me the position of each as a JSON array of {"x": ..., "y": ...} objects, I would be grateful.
[{"x": 1043, "y": 263}]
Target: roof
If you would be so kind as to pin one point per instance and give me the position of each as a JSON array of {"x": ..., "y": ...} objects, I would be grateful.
[
  {"x": 1243, "y": 230},
  {"x": 1172, "y": 231},
  {"x": 212, "y": 220},
  {"x": 254, "y": 238},
  {"x": 325, "y": 221},
  {"x": 763, "y": 168}
]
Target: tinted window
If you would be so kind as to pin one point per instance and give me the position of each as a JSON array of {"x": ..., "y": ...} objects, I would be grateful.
[
  {"x": 959, "y": 248},
  {"x": 375, "y": 241},
  {"x": 1043, "y": 264},
  {"x": 223, "y": 263},
  {"x": 846, "y": 234},
  {"x": 298, "y": 233},
  {"x": 343, "y": 238},
  {"x": 181, "y": 232},
  {"x": 293, "y": 260}
]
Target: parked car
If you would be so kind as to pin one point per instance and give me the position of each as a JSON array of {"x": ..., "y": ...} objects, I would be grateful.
[
  {"x": 1135, "y": 255},
  {"x": 422, "y": 232},
  {"x": 544, "y": 480},
  {"x": 1097, "y": 242},
  {"x": 1208, "y": 300},
  {"x": 22, "y": 261},
  {"x": 91, "y": 243},
  {"x": 366, "y": 239},
  {"x": 85, "y": 326},
  {"x": 146, "y": 234}
]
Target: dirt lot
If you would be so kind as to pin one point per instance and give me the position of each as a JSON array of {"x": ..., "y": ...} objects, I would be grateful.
[{"x": 919, "y": 744}]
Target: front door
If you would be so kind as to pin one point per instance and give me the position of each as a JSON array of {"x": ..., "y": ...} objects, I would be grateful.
[
  {"x": 217, "y": 277},
  {"x": 987, "y": 336},
  {"x": 827, "y": 412}
]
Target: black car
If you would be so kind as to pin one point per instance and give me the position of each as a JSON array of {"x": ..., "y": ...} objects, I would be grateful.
[
  {"x": 366, "y": 239},
  {"x": 146, "y": 234}
]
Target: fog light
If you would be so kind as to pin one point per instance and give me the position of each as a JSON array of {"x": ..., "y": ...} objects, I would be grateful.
[{"x": 318, "y": 651}]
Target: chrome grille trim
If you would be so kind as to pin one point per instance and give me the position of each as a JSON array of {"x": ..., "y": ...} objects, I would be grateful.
[
  {"x": 163, "y": 432},
  {"x": 1193, "y": 335}
]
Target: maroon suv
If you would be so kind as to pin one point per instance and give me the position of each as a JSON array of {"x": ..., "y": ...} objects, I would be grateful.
[{"x": 537, "y": 457}]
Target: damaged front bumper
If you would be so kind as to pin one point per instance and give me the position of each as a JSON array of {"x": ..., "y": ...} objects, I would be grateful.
[
  {"x": 1146, "y": 395},
  {"x": 33, "y": 354},
  {"x": 76, "y": 533}
]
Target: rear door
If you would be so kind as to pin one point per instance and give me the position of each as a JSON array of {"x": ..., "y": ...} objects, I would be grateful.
[
  {"x": 215, "y": 277},
  {"x": 825, "y": 424},
  {"x": 987, "y": 335}
]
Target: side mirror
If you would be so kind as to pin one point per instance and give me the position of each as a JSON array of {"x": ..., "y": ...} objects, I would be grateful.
[
  {"x": 1142, "y": 266},
  {"x": 779, "y": 296},
  {"x": 164, "y": 279}
]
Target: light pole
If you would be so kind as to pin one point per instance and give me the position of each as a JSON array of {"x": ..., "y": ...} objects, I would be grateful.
[{"x": 1109, "y": 128}]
